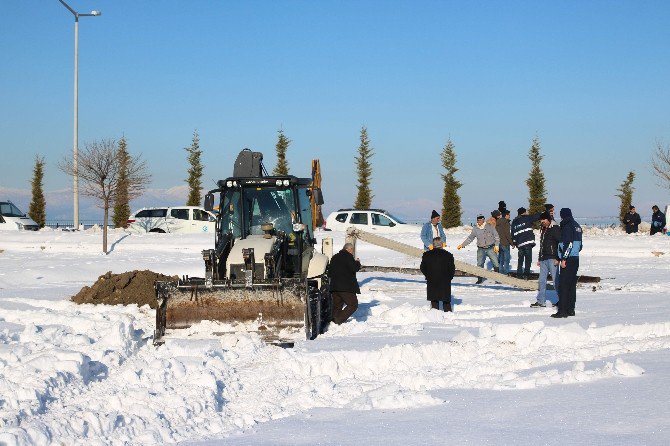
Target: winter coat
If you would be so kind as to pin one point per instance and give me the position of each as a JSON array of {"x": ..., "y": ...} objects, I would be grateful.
[
  {"x": 342, "y": 273},
  {"x": 657, "y": 222},
  {"x": 549, "y": 238},
  {"x": 504, "y": 232},
  {"x": 427, "y": 234},
  {"x": 631, "y": 222},
  {"x": 486, "y": 236},
  {"x": 571, "y": 238},
  {"x": 438, "y": 267},
  {"x": 522, "y": 230}
]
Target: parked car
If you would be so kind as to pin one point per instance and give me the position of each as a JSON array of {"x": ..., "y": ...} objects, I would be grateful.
[
  {"x": 12, "y": 219},
  {"x": 179, "y": 219},
  {"x": 372, "y": 220}
]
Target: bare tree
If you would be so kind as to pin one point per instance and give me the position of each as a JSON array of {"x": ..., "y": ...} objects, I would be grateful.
[
  {"x": 660, "y": 164},
  {"x": 99, "y": 170}
]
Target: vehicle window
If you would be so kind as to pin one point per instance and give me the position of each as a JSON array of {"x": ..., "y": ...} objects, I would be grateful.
[
  {"x": 230, "y": 213},
  {"x": 151, "y": 213},
  {"x": 359, "y": 218},
  {"x": 341, "y": 217},
  {"x": 181, "y": 214},
  {"x": 9, "y": 210},
  {"x": 381, "y": 220},
  {"x": 397, "y": 220},
  {"x": 305, "y": 211},
  {"x": 200, "y": 215},
  {"x": 269, "y": 205}
]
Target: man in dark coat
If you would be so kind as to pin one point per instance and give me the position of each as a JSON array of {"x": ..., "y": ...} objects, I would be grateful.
[
  {"x": 343, "y": 283},
  {"x": 438, "y": 267},
  {"x": 505, "y": 234},
  {"x": 568, "y": 254},
  {"x": 657, "y": 221},
  {"x": 631, "y": 221},
  {"x": 550, "y": 235}
]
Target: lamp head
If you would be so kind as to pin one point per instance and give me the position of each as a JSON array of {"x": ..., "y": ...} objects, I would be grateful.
[{"x": 96, "y": 13}]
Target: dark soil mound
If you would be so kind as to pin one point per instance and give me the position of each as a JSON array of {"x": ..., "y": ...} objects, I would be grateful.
[{"x": 133, "y": 287}]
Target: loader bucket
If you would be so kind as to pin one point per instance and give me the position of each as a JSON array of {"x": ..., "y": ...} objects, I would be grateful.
[{"x": 182, "y": 304}]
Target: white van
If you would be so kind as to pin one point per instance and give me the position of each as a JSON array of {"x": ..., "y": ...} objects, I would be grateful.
[
  {"x": 180, "y": 219},
  {"x": 12, "y": 219}
]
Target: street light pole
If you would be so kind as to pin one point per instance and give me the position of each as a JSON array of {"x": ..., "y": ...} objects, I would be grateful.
[{"x": 75, "y": 150}]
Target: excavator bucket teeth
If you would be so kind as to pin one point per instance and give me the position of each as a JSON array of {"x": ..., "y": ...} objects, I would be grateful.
[{"x": 182, "y": 305}]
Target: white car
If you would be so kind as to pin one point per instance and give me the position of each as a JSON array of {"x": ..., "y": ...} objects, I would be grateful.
[
  {"x": 172, "y": 219},
  {"x": 371, "y": 220},
  {"x": 12, "y": 219}
]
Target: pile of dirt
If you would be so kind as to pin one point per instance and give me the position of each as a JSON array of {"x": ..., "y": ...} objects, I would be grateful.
[{"x": 133, "y": 287}]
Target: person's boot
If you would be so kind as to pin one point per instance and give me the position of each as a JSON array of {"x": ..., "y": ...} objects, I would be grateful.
[
  {"x": 559, "y": 315},
  {"x": 496, "y": 269},
  {"x": 479, "y": 281},
  {"x": 571, "y": 313},
  {"x": 447, "y": 307}
]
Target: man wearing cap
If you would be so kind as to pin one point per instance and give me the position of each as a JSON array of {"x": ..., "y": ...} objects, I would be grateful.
[
  {"x": 488, "y": 243},
  {"x": 431, "y": 230},
  {"x": 523, "y": 238},
  {"x": 550, "y": 235},
  {"x": 568, "y": 255},
  {"x": 438, "y": 266},
  {"x": 631, "y": 220},
  {"x": 505, "y": 235}
]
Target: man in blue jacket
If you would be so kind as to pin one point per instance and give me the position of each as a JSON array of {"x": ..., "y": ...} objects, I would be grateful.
[
  {"x": 568, "y": 255},
  {"x": 657, "y": 220},
  {"x": 431, "y": 230},
  {"x": 523, "y": 238}
]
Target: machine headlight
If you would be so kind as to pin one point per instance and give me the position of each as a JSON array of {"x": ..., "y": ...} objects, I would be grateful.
[
  {"x": 285, "y": 182},
  {"x": 278, "y": 182},
  {"x": 229, "y": 184},
  {"x": 235, "y": 183},
  {"x": 298, "y": 227}
]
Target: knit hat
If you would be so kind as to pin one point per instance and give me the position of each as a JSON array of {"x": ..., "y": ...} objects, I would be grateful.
[
  {"x": 545, "y": 216},
  {"x": 502, "y": 204},
  {"x": 566, "y": 212},
  {"x": 480, "y": 217},
  {"x": 631, "y": 207},
  {"x": 521, "y": 210},
  {"x": 434, "y": 214},
  {"x": 496, "y": 214}
]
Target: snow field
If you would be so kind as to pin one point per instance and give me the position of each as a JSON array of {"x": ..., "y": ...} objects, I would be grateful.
[{"x": 81, "y": 374}]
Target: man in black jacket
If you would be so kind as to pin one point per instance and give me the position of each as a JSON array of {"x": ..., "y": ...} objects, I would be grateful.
[
  {"x": 657, "y": 221},
  {"x": 550, "y": 235},
  {"x": 524, "y": 240},
  {"x": 343, "y": 283},
  {"x": 438, "y": 267},
  {"x": 631, "y": 221}
]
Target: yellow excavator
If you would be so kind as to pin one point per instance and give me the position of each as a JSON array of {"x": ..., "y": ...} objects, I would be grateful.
[{"x": 264, "y": 267}]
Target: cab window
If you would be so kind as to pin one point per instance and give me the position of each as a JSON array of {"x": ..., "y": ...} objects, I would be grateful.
[
  {"x": 181, "y": 214},
  {"x": 359, "y": 218},
  {"x": 151, "y": 213},
  {"x": 381, "y": 220},
  {"x": 342, "y": 218}
]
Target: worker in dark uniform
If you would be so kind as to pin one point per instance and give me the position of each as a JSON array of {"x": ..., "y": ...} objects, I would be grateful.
[{"x": 343, "y": 283}]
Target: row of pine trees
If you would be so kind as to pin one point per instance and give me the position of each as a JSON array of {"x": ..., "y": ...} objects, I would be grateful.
[{"x": 451, "y": 215}]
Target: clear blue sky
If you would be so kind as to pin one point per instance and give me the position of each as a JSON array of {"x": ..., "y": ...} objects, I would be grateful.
[{"x": 589, "y": 78}]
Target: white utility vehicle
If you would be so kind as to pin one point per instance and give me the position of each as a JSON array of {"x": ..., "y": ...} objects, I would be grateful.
[
  {"x": 172, "y": 219},
  {"x": 371, "y": 220},
  {"x": 12, "y": 219}
]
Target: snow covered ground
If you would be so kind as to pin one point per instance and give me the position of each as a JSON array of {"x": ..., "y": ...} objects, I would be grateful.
[{"x": 493, "y": 372}]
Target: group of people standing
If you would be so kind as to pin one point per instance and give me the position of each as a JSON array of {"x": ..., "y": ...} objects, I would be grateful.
[
  {"x": 560, "y": 245},
  {"x": 631, "y": 221}
]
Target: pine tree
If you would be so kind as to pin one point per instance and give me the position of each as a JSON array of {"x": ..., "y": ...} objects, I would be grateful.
[
  {"x": 194, "y": 172},
  {"x": 37, "y": 208},
  {"x": 626, "y": 195},
  {"x": 282, "y": 146},
  {"x": 364, "y": 170},
  {"x": 121, "y": 211},
  {"x": 537, "y": 193},
  {"x": 451, "y": 201}
]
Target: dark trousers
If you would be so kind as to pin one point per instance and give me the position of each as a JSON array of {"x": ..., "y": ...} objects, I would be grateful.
[
  {"x": 568, "y": 287},
  {"x": 340, "y": 298},
  {"x": 446, "y": 305},
  {"x": 525, "y": 257}
]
